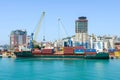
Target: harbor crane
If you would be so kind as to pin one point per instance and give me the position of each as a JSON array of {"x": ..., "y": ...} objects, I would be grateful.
[
  {"x": 35, "y": 34},
  {"x": 38, "y": 26},
  {"x": 62, "y": 28},
  {"x": 64, "y": 35}
]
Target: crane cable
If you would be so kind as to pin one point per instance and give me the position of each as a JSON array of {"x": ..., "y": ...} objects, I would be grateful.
[{"x": 62, "y": 27}]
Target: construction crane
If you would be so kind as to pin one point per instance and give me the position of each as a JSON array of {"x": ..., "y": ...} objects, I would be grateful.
[
  {"x": 62, "y": 28},
  {"x": 38, "y": 26},
  {"x": 33, "y": 39},
  {"x": 65, "y": 35}
]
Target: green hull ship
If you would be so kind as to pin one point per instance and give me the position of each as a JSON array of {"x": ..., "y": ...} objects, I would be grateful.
[
  {"x": 29, "y": 54},
  {"x": 100, "y": 55}
]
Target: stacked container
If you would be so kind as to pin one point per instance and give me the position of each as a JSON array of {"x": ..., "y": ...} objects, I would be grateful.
[
  {"x": 90, "y": 51},
  {"x": 79, "y": 50},
  {"x": 36, "y": 52},
  {"x": 47, "y": 51},
  {"x": 68, "y": 50},
  {"x": 79, "y": 47}
]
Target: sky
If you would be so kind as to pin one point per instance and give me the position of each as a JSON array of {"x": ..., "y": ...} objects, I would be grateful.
[{"x": 103, "y": 17}]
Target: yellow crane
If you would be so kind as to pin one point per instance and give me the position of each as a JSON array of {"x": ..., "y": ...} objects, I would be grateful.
[
  {"x": 33, "y": 39},
  {"x": 38, "y": 26}
]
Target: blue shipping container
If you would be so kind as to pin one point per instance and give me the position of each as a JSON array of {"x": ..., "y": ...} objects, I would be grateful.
[
  {"x": 79, "y": 51},
  {"x": 111, "y": 50},
  {"x": 90, "y": 50}
]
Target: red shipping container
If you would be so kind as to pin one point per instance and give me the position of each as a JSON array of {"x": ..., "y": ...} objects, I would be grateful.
[
  {"x": 68, "y": 50},
  {"x": 79, "y": 47},
  {"x": 47, "y": 51},
  {"x": 36, "y": 52}
]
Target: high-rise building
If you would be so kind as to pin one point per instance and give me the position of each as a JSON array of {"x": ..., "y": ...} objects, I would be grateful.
[
  {"x": 81, "y": 25},
  {"x": 18, "y": 37},
  {"x": 81, "y": 29}
]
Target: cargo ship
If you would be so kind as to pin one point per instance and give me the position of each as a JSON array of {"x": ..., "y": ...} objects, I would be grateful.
[{"x": 68, "y": 52}]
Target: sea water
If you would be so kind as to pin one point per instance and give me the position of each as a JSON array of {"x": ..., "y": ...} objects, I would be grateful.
[{"x": 59, "y": 69}]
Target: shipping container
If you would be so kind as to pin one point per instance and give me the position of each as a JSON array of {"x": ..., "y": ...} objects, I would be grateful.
[
  {"x": 111, "y": 50},
  {"x": 68, "y": 50},
  {"x": 79, "y": 47},
  {"x": 47, "y": 51},
  {"x": 90, "y": 50},
  {"x": 36, "y": 51},
  {"x": 79, "y": 51}
]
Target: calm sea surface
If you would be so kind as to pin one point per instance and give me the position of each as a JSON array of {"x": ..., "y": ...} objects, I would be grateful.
[{"x": 59, "y": 69}]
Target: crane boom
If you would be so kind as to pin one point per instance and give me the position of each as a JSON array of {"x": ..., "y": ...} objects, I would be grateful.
[
  {"x": 39, "y": 25},
  {"x": 62, "y": 28}
]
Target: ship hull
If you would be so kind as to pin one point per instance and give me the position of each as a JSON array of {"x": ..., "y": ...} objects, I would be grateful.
[
  {"x": 29, "y": 54},
  {"x": 98, "y": 56},
  {"x": 24, "y": 54}
]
